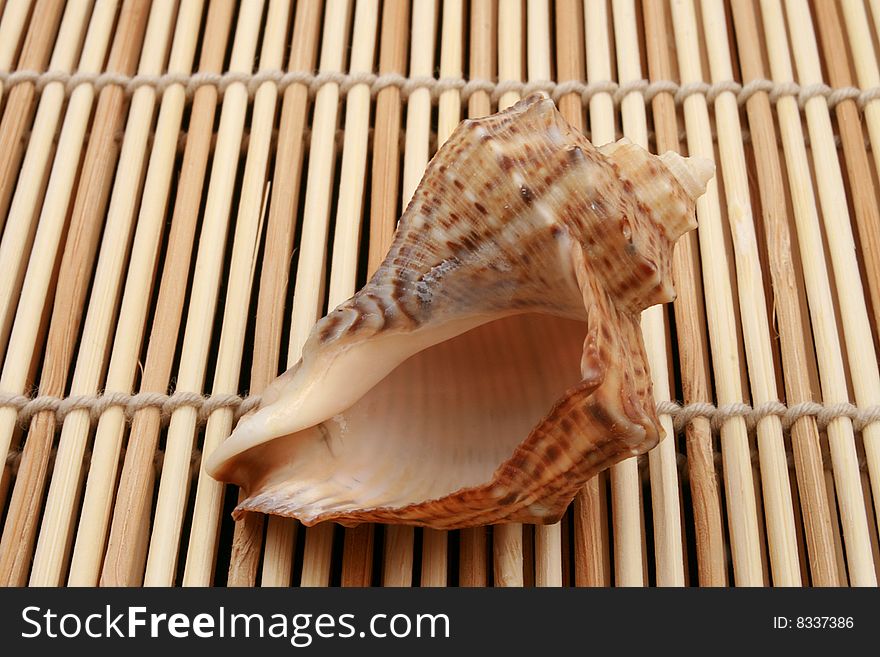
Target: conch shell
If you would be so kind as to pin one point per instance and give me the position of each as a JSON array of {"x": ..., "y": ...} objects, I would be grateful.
[{"x": 493, "y": 363}]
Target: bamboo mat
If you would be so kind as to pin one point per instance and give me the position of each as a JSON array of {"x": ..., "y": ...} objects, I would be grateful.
[{"x": 185, "y": 188}]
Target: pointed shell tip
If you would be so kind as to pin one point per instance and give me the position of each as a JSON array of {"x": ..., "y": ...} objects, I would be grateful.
[{"x": 692, "y": 173}]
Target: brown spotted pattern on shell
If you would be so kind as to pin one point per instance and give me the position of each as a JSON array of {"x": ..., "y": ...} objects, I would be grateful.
[{"x": 494, "y": 362}]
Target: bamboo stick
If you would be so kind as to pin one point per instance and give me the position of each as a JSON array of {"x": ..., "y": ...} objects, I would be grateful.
[
  {"x": 548, "y": 538},
  {"x": 868, "y": 72},
  {"x": 858, "y": 167},
  {"x": 776, "y": 488},
  {"x": 863, "y": 364},
  {"x": 19, "y": 108},
  {"x": 38, "y": 285},
  {"x": 842, "y": 576},
  {"x": 875, "y": 13},
  {"x": 759, "y": 505},
  {"x": 357, "y": 559},
  {"x": 803, "y": 555},
  {"x": 742, "y": 514},
  {"x": 591, "y": 539},
  {"x": 280, "y": 532},
  {"x": 398, "y": 558},
  {"x": 91, "y": 534},
  {"x": 202, "y": 547},
  {"x": 174, "y": 483},
  {"x": 308, "y": 297},
  {"x": 691, "y": 329},
  {"x": 435, "y": 543},
  {"x": 805, "y": 435},
  {"x": 662, "y": 459},
  {"x": 828, "y": 349},
  {"x": 274, "y": 279},
  {"x": 77, "y": 261},
  {"x": 538, "y": 63},
  {"x": 418, "y": 107},
  {"x": 483, "y": 53},
  {"x": 451, "y": 66},
  {"x": 55, "y": 531},
  {"x": 22, "y": 217},
  {"x": 872, "y": 524},
  {"x": 132, "y": 508},
  {"x": 16, "y": 118},
  {"x": 386, "y": 151},
  {"x": 15, "y": 15},
  {"x": 358, "y": 542},
  {"x": 507, "y": 539},
  {"x": 124, "y": 562},
  {"x": 625, "y": 485},
  {"x": 473, "y": 570},
  {"x": 343, "y": 271}
]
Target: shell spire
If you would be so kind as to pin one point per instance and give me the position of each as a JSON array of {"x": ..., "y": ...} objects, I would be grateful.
[
  {"x": 493, "y": 363},
  {"x": 693, "y": 174}
]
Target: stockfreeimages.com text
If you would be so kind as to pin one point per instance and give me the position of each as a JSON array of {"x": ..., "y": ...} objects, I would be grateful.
[{"x": 300, "y": 629}]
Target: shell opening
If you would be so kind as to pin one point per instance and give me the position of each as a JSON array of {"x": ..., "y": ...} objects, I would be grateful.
[{"x": 442, "y": 421}]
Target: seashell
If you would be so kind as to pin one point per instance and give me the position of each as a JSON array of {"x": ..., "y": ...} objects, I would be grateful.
[{"x": 494, "y": 363}]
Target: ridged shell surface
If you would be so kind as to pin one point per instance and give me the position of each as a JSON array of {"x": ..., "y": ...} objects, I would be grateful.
[{"x": 494, "y": 362}]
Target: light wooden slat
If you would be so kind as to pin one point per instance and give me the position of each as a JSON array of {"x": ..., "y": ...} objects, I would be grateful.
[
  {"x": 77, "y": 262},
  {"x": 451, "y": 66},
  {"x": 690, "y": 326},
  {"x": 805, "y": 442},
  {"x": 15, "y": 15},
  {"x": 171, "y": 500},
  {"x": 473, "y": 548},
  {"x": 589, "y": 516},
  {"x": 816, "y": 278},
  {"x": 398, "y": 557},
  {"x": 56, "y": 528},
  {"x": 308, "y": 297},
  {"x": 661, "y": 460},
  {"x": 386, "y": 135},
  {"x": 739, "y": 487},
  {"x": 864, "y": 58},
  {"x": 863, "y": 193},
  {"x": 16, "y": 117},
  {"x": 507, "y": 539},
  {"x": 18, "y": 112},
  {"x": 247, "y": 542},
  {"x": 875, "y": 14},
  {"x": 862, "y": 358},
  {"x": 861, "y": 184},
  {"x": 842, "y": 576},
  {"x": 625, "y": 485},
  {"x": 418, "y": 105},
  {"x": 779, "y": 512},
  {"x": 98, "y": 497},
  {"x": 548, "y": 538},
  {"x": 205, "y": 524},
  {"x": 357, "y": 558},
  {"x": 435, "y": 543},
  {"x": 383, "y": 209},
  {"x": 126, "y": 548},
  {"x": 21, "y": 221}
]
